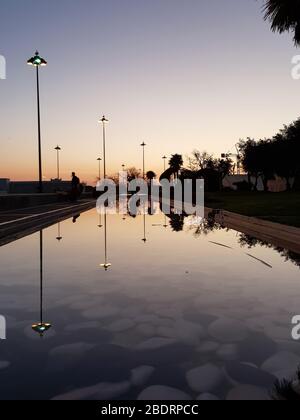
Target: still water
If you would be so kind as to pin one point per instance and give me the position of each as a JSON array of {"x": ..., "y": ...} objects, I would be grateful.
[{"x": 168, "y": 310}]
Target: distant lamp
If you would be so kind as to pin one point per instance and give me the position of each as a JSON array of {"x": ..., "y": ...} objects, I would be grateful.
[
  {"x": 164, "y": 159},
  {"x": 41, "y": 328}
]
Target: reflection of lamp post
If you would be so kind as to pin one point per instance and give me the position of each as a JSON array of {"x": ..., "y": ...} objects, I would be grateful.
[
  {"x": 38, "y": 61},
  {"x": 144, "y": 239},
  {"x": 143, "y": 146},
  {"x": 58, "y": 149},
  {"x": 165, "y": 158},
  {"x": 100, "y": 221},
  {"x": 165, "y": 225},
  {"x": 103, "y": 121},
  {"x": 106, "y": 264},
  {"x": 59, "y": 237},
  {"x": 42, "y": 326},
  {"x": 99, "y": 161}
]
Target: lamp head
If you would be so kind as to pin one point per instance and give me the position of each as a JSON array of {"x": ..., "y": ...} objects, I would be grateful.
[
  {"x": 37, "y": 60},
  {"x": 106, "y": 266},
  {"x": 103, "y": 120},
  {"x": 41, "y": 328}
]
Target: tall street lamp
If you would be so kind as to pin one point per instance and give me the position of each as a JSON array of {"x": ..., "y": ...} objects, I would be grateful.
[
  {"x": 37, "y": 61},
  {"x": 143, "y": 146},
  {"x": 99, "y": 161},
  {"x": 165, "y": 158},
  {"x": 104, "y": 121},
  {"x": 58, "y": 149}
]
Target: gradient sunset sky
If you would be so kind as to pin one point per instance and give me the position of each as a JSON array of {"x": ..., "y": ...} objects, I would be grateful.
[{"x": 177, "y": 74}]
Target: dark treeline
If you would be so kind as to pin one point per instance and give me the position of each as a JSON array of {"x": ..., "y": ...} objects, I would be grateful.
[
  {"x": 200, "y": 166},
  {"x": 278, "y": 156}
]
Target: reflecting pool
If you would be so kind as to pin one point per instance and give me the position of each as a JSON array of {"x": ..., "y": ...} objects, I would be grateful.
[{"x": 150, "y": 307}]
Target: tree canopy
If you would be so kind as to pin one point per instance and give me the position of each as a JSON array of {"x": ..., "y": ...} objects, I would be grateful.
[{"x": 284, "y": 16}]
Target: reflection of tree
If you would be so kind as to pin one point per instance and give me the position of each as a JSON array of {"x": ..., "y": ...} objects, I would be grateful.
[
  {"x": 206, "y": 227},
  {"x": 177, "y": 222},
  {"x": 287, "y": 390},
  {"x": 251, "y": 242}
]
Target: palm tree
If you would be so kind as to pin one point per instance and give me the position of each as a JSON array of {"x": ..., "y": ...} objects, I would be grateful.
[
  {"x": 150, "y": 175},
  {"x": 176, "y": 163},
  {"x": 284, "y": 15}
]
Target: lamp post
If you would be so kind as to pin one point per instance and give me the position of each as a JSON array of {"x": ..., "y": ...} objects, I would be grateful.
[
  {"x": 37, "y": 61},
  {"x": 143, "y": 146},
  {"x": 103, "y": 121},
  {"x": 144, "y": 223},
  {"x": 165, "y": 158},
  {"x": 99, "y": 160},
  {"x": 58, "y": 149},
  {"x": 106, "y": 264},
  {"x": 59, "y": 237}
]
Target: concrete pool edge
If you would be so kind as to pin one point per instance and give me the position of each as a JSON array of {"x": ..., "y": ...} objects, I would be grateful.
[
  {"x": 24, "y": 226},
  {"x": 282, "y": 236}
]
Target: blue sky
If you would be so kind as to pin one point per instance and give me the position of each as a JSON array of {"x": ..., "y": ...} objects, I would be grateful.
[{"x": 177, "y": 74}]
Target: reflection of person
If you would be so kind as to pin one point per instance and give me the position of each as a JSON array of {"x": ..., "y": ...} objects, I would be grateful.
[
  {"x": 75, "y": 218},
  {"x": 75, "y": 186}
]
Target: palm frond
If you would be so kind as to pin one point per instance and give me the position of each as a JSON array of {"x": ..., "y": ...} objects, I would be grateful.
[{"x": 284, "y": 16}]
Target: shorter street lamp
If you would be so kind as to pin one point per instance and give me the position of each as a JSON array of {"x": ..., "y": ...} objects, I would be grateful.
[
  {"x": 104, "y": 121},
  {"x": 143, "y": 146},
  {"x": 58, "y": 149},
  {"x": 99, "y": 161},
  {"x": 165, "y": 158}
]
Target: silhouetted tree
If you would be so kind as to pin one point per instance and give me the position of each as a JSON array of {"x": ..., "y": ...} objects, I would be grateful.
[
  {"x": 284, "y": 16},
  {"x": 150, "y": 175},
  {"x": 200, "y": 161},
  {"x": 248, "y": 159},
  {"x": 224, "y": 168},
  {"x": 212, "y": 170},
  {"x": 177, "y": 222},
  {"x": 287, "y": 143},
  {"x": 133, "y": 173},
  {"x": 176, "y": 163},
  {"x": 258, "y": 160}
]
